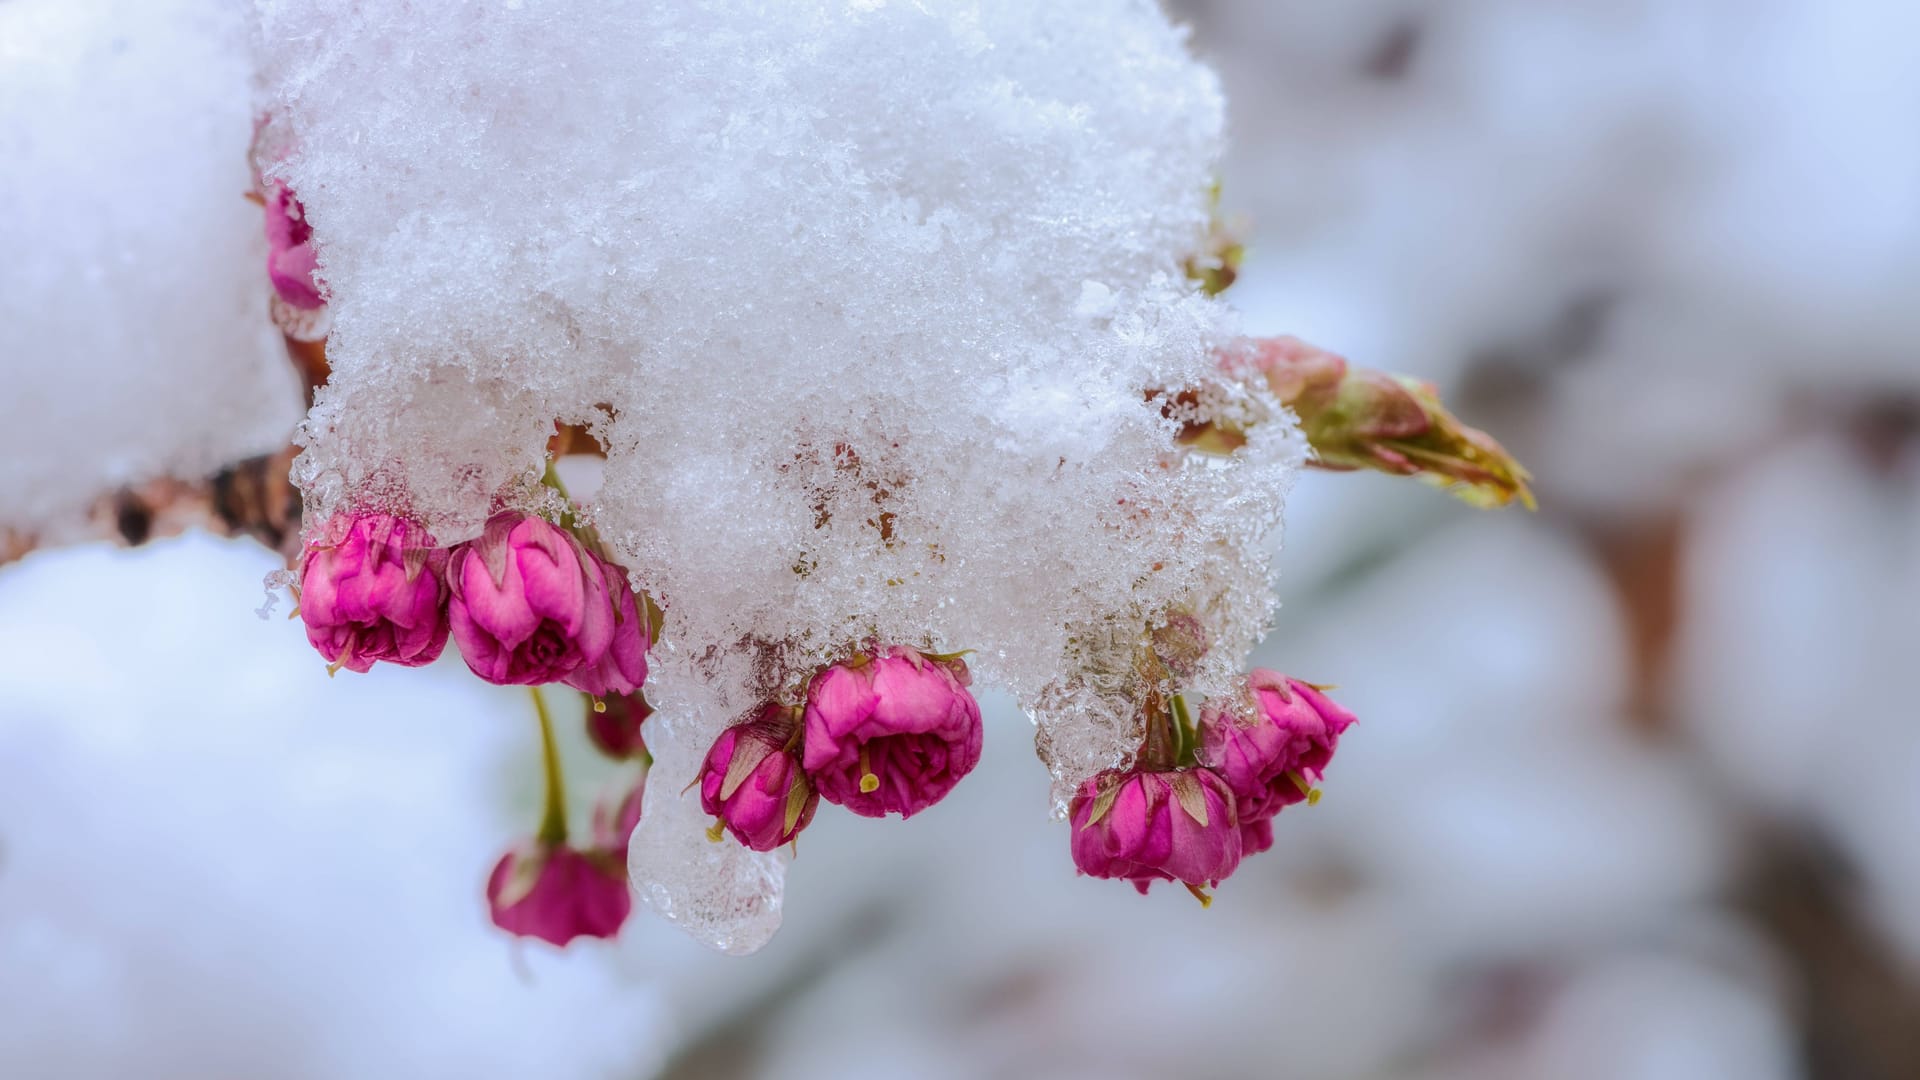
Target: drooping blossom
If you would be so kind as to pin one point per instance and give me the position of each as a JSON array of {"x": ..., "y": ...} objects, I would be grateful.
[
  {"x": 1278, "y": 755},
  {"x": 752, "y": 782},
  {"x": 615, "y": 725},
  {"x": 1256, "y": 836},
  {"x": 529, "y": 605},
  {"x": 556, "y": 893},
  {"x": 622, "y": 668},
  {"x": 291, "y": 258},
  {"x": 371, "y": 590},
  {"x": 1147, "y": 825},
  {"x": 891, "y": 732}
]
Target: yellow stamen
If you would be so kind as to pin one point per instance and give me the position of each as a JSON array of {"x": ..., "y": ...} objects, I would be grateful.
[
  {"x": 334, "y": 668},
  {"x": 599, "y": 706},
  {"x": 719, "y": 829},
  {"x": 869, "y": 783},
  {"x": 1311, "y": 793},
  {"x": 1200, "y": 894}
]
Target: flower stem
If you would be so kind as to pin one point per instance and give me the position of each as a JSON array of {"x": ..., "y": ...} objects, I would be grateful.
[
  {"x": 552, "y": 480},
  {"x": 1186, "y": 736},
  {"x": 553, "y": 824},
  {"x": 1161, "y": 750}
]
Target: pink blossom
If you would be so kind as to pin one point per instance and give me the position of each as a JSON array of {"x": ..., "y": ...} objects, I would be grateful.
[
  {"x": 291, "y": 259},
  {"x": 752, "y": 781},
  {"x": 1280, "y": 756},
  {"x": 623, "y": 667},
  {"x": 370, "y": 589},
  {"x": 556, "y": 894},
  {"x": 1256, "y": 836},
  {"x": 1146, "y": 826},
  {"x": 529, "y": 604},
  {"x": 891, "y": 732},
  {"x": 615, "y": 726}
]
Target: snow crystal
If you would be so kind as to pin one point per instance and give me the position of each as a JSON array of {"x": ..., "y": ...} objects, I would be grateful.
[
  {"x": 133, "y": 293},
  {"x": 872, "y": 306},
  {"x": 724, "y": 895}
]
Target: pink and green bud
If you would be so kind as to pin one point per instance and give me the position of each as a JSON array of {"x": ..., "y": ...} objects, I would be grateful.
[
  {"x": 556, "y": 894},
  {"x": 529, "y": 605},
  {"x": 371, "y": 590},
  {"x": 1274, "y": 747},
  {"x": 1145, "y": 825},
  {"x": 1360, "y": 419},
  {"x": 292, "y": 262},
  {"x": 622, "y": 668},
  {"x": 752, "y": 782},
  {"x": 891, "y": 732}
]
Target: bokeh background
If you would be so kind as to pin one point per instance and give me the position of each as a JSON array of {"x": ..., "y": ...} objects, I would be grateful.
[{"x": 1636, "y": 790}]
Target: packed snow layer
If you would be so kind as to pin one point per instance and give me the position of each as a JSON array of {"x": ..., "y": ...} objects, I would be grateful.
[{"x": 134, "y": 335}]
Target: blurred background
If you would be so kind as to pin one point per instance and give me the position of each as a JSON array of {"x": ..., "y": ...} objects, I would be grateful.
[{"x": 1636, "y": 789}]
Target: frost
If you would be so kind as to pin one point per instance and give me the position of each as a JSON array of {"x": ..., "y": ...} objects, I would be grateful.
[
  {"x": 133, "y": 292},
  {"x": 873, "y": 307}
]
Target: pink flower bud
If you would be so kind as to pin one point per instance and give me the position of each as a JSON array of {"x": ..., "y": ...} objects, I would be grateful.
[
  {"x": 1360, "y": 419},
  {"x": 370, "y": 589},
  {"x": 752, "y": 781},
  {"x": 529, "y": 604},
  {"x": 1280, "y": 756},
  {"x": 291, "y": 259},
  {"x": 1304, "y": 376},
  {"x": 1147, "y": 826},
  {"x": 556, "y": 894},
  {"x": 891, "y": 733},
  {"x": 623, "y": 667},
  {"x": 1256, "y": 836},
  {"x": 615, "y": 726}
]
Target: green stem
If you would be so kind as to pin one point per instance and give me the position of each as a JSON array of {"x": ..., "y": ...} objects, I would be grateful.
[
  {"x": 1186, "y": 736},
  {"x": 552, "y": 480},
  {"x": 553, "y": 825},
  {"x": 1161, "y": 750},
  {"x": 568, "y": 519}
]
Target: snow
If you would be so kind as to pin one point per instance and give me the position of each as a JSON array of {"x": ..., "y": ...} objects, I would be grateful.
[{"x": 134, "y": 291}]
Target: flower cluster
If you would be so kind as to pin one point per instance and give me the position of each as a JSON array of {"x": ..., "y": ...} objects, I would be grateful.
[
  {"x": 1200, "y": 798},
  {"x": 1068, "y": 440},
  {"x": 527, "y": 602},
  {"x": 886, "y": 731}
]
